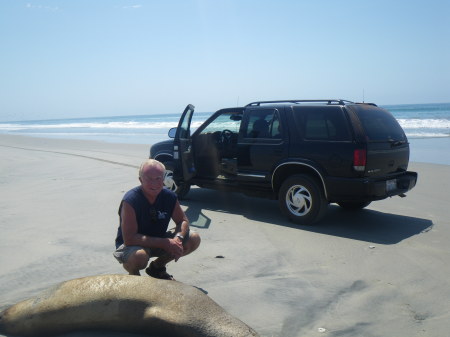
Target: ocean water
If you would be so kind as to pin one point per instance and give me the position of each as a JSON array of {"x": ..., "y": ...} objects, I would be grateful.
[
  {"x": 427, "y": 122},
  {"x": 141, "y": 129},
  {"x": 418, "y": 121},
  {"x": 423, "y": 120}
]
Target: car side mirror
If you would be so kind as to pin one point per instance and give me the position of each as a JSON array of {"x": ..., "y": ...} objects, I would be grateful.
[{"x": 172, "y": 132}]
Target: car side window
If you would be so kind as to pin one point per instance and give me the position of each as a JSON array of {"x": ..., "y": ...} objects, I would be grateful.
[
  {"x": 275, "y": 127},
  {"x": 263, "y": 123},
  {"x": 325, "y": 124}
]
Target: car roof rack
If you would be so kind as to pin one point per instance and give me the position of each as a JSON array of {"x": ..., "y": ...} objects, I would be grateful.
[
  {"x": 366, "y": 103},
  {"x": 299, "y": 101}
]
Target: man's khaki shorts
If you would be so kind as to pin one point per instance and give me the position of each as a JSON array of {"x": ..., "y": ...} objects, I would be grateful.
[{"x": 122, "y": 253}]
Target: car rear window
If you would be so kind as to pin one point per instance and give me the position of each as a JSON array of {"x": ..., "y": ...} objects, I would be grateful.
[{"x": 378, "y": 124}]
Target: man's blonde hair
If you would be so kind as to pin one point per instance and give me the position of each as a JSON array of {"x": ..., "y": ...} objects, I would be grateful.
[{"x": 151, "y": 163}]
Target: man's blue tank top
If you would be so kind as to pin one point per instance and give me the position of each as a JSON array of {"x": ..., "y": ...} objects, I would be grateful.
[{"x": 152, "y": 219}]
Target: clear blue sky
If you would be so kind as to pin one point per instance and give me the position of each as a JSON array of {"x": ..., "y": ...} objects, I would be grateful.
[{"x": 85, "y": 58}]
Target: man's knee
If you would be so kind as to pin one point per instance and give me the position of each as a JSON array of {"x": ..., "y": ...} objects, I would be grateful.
[
  {"x": 193, "y": 242},
  {"x": 195, "y": 237},
  {"x": 137, "y": 260}
]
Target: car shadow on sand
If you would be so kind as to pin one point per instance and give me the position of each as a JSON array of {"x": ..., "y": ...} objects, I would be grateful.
[{"x": 365, "y": 225}]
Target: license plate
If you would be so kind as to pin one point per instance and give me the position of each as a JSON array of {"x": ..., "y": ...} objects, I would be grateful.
[{"x": 391, "y": 185}]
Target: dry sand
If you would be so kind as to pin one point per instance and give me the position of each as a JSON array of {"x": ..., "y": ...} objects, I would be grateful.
[{"x": 382, "y": 271}]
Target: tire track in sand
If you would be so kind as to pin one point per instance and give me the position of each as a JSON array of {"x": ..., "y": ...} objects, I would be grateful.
[{"x": 72, "y": 154}]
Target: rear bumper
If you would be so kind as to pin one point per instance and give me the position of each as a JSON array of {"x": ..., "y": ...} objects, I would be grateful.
[{"x": 368, "y": 189}]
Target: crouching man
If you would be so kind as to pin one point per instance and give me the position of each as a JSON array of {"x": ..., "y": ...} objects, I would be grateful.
[{"x": 145, "y": 213}]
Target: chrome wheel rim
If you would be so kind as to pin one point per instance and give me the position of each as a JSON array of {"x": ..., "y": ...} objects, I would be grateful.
[
  {"x": 169, "y": 183},
  {"x": 298, "y": 200}
]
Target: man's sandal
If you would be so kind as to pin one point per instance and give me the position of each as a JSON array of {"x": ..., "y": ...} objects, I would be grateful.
[{"x": 160, "y": 273}]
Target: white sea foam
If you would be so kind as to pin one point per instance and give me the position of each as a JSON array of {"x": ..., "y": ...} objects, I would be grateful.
[
  {"x": 405, "y": 123},
  {"x": 109, "y": 125},
  {"x": 424, "y": 123},
  {"x": 426, "y": 134}
]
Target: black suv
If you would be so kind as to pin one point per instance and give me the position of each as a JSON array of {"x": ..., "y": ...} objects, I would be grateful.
[{"x": 305, "y": 153}]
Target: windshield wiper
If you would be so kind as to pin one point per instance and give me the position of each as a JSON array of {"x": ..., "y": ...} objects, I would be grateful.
[{"x": 397, "y": 142}]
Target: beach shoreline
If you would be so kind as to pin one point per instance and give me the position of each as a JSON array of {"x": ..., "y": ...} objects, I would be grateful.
[
  {"x": 379, "y": 272},
  {"x": 430, "y": 150},
  {"x": 422, "y": 150}
]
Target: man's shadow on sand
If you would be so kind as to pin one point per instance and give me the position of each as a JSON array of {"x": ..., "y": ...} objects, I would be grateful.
[{"x": 364, "y": 225}]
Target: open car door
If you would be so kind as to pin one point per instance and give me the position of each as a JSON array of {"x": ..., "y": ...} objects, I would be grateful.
[{"x": 182, "y": 147}]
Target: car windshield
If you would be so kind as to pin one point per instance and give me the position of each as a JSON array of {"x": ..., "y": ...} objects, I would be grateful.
[
  {"x": 225, "y": 121},
  {"x": 379, "y": 124}
]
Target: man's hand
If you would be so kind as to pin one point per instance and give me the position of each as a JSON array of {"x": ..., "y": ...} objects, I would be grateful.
[{"x": 175, "y": 248}]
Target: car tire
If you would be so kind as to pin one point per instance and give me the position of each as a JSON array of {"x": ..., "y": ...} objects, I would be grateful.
[
  {"x": 353, "y": 205},
  {"x": 301, "y": 199},
  {"x": 180, "y": 189}
]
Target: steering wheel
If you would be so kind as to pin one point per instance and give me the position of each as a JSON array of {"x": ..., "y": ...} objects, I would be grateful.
[{"x": 226, "y": 136}]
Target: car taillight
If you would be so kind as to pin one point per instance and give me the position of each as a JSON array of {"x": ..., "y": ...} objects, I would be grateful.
[{"x": 359, "y": 160}]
